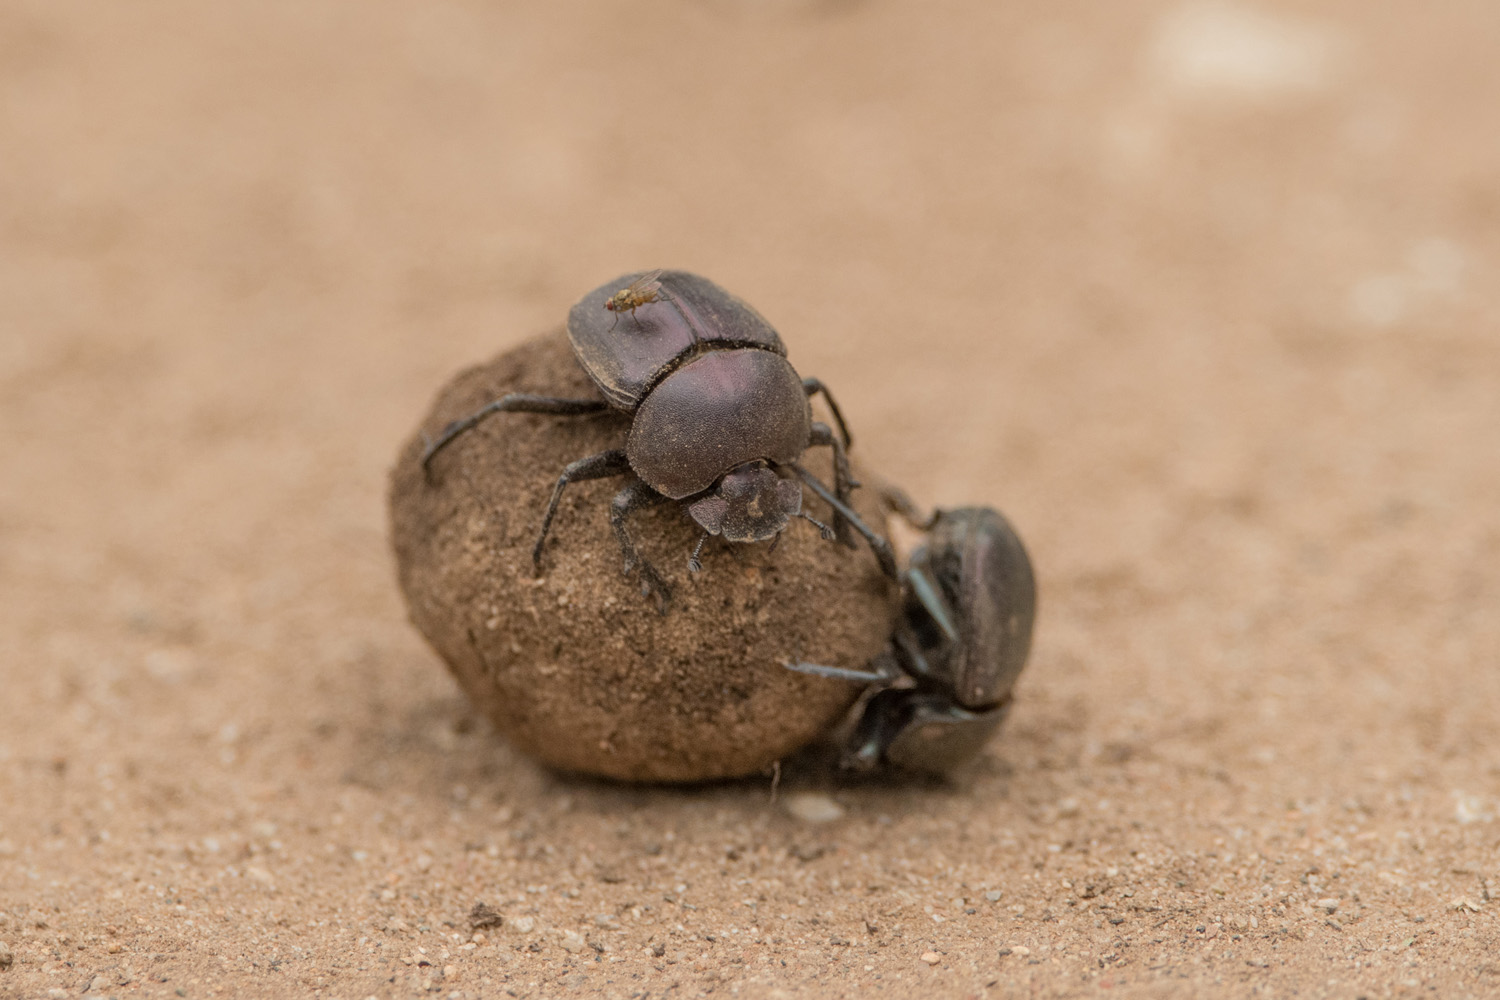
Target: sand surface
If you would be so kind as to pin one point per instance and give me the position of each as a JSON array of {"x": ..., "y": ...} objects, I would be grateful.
[{"x": 1202, "y": 295}]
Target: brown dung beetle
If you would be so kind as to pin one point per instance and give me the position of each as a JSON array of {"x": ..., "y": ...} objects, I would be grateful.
[
  {"x": 719, "y": 415},
  {"x": 942, "y": 686}
]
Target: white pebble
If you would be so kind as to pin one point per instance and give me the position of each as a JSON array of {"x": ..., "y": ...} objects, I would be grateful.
[{"x": 812, "y": 807}]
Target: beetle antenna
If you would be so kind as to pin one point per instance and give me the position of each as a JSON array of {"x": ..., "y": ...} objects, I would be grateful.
[
  {"x": 823, "y": 529},
  {"x": 694, "y": 566}
]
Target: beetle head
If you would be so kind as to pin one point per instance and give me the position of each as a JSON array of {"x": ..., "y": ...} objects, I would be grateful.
[{"x": 749, "y": 504}]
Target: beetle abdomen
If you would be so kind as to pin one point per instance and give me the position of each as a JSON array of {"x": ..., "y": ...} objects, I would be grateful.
[
  {"x": 997, "y": 601},
  {"x": 716, "y": 412}
]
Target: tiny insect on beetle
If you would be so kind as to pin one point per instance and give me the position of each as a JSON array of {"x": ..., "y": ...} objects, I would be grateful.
[
  {"x": 942, "y": 686},
  {"x": 642, "y": 291},
  {"x": 718, "y": 416}
]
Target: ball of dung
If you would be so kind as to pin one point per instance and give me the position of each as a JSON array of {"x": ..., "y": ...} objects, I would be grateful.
[{"x": 572, "y": 663}]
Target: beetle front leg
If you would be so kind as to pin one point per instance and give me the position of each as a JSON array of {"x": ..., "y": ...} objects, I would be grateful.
[
  {"x": 814, "y": 386},
  {"x": 638, "y": 496},
  {"x": 884, "y": 554},
  {"x": 600, "y": 466},
  {"x": 843, "y": 479},
  {"x": 512, "y": 402}
]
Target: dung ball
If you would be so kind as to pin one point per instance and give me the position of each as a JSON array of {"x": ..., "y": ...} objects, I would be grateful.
[{"x": 572, "y": 663}]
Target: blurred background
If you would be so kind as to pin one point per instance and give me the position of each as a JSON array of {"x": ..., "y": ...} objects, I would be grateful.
[{"x": 1199, "y": 293}]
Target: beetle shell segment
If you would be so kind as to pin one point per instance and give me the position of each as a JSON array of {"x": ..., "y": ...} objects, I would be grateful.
[
  {"x": 626, "y": 354},
  {"x": 982, "y": 567},
  {"x": 715, "y": 413},
  {"x": 919, "y": 732}
]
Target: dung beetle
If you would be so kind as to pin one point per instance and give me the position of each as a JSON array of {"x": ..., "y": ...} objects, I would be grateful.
[
  {"x": 718, "y": 416},
  {"x": 942, "y": 686}
]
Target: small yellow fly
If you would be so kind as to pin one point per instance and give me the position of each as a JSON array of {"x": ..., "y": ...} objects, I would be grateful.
[{"x": 642, "y": 291}]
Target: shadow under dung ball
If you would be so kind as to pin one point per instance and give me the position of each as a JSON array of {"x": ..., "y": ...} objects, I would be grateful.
[{"x": 575, "y": 666}]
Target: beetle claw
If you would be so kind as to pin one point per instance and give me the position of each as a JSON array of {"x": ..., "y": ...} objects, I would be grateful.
[{"x": 652, "y": 583}]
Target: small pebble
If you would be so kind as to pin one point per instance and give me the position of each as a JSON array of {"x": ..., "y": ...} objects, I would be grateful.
[
  {"x": 7, "y": 957},
  {"x": 1021, "y": 950},
  {"x": 523, "y": 924},
  {"x": 484, "y": 915},
  {"x": 573, "y": 942},
  {"x": 993, "y": 895},
  {"x": 931, "y": 957},
  {"x": 1328, "y": 905},
  {"x": 812, "y": 807}
]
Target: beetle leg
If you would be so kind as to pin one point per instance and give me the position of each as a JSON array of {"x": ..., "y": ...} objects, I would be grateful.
[
  {"x": 837, "y": 673},
  {"x": 600, "y": 466},
  {"x": 883, "y": 670},
  {"x": 881, "y": 547},
  {"x": 897, "y": 502},
  {"x": 823, "y": 529},
  {"x": 694, "y": 566},
  {"x": 932, "y": 600},
  {"x": 883, "y": 718},
  {"x": 634, "y": 497},
  {"x": 812, "y": 387},
  {"x": 513, "y": 402},
  {"x": 843, "y": 480},
  {"x": 913, "y": 660}
]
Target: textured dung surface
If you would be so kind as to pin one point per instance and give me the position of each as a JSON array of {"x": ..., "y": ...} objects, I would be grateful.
[{"x": 575, "y": 666}]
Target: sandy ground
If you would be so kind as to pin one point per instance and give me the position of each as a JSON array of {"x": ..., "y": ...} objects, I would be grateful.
[{"x": 1201, "y": 295}]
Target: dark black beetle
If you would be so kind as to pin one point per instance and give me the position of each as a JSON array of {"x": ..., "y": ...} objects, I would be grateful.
[
  {"x": 943, "y": 685},
  {"x": 718, "y": 413}
]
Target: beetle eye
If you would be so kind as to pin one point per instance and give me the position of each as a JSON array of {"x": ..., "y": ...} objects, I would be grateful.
[{"x": 709, "y": 513}]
